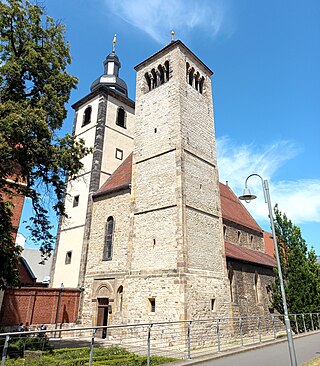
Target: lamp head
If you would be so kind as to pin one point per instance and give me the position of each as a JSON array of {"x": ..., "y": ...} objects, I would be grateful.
[{"x": 247, "y": 195}]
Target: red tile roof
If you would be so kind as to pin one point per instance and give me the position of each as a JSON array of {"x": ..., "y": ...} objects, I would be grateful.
[
  {"x": 120, "y": 179},
  {"x": 232, "y": 208},
  {"x": 268, "y": 243},
  {"x": 249, "y": 255},
  {"x": 234, "y": 211}
]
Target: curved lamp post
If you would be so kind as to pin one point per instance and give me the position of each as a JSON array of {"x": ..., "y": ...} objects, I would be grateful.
[{"x": 247, "y": 196}]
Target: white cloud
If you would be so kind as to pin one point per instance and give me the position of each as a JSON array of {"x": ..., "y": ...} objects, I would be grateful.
[
  {"x": 157, "y": 17},
  {"x": 300, "y": 199}
]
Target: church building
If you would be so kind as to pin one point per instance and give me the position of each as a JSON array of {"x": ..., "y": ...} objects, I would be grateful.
[{"x": 151, "y": 234}]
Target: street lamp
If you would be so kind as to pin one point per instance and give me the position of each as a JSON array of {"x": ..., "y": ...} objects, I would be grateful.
[{"x": 247, "y": 196}]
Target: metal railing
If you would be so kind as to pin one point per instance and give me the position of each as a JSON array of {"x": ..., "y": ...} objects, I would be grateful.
[{"x": 175, "y": 340}]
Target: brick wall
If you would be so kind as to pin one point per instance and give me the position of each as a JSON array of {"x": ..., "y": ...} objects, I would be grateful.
[{"x": 38, "y": 306}]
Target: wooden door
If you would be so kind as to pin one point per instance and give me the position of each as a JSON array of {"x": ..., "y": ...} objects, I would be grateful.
[{"x": 102, "y": 318}]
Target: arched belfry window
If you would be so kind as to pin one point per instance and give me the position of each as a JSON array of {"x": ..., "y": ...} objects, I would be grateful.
[
  {"x": 161, "y": 74},
  {"x": 194, "y": 78},
  {"x": 87, "y": 116},
  {"x": 196, "y": 81},
  {"x": 121, "y": 117},
  {"x": 191, "y": 73},
  {"x": 148, "y": 80},
  {"x": 201, "y": 85},
  {"x": 154, "y": 78},
  {"x": 166, "y": 65},
  {"x": 107, "y": 251},
  {"x": 157, "y": 76},
  {"x": 187, "y": 70}
]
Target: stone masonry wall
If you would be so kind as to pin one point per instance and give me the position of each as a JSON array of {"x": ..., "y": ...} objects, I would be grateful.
[
  {"x": 175, "y": 153},
  {"x": 250, "y": 288},
  {"x": 239, "y": 235}
]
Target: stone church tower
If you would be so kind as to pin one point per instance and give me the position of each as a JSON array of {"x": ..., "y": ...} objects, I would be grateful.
[
  {"x": 176, "y": 251},
  {"x": 104, "y": 119},
  {"x": 156, "y": 249},
  {"x": 152, "y": 235}
]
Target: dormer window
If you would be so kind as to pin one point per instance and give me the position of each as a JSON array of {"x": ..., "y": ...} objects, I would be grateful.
[
  {"x": 121, "y": 118},
  {"x": 87, "y": 116}
]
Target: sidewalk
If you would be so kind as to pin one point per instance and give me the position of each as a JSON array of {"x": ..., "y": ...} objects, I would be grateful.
[{"x": 205, "y": 359}]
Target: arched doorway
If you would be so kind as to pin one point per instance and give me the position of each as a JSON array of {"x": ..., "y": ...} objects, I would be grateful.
[{"x": 103, "y": 295}]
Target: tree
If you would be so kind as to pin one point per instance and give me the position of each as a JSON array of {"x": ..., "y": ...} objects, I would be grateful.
[
  {"x": 34, "y": 88},
  {"x": 300, "y": 270}
]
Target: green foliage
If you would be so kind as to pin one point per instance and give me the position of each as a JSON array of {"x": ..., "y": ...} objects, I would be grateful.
[
  {"x": 9, "y": 252},
  {"x": 18, "y": 345},
  {"x": 111, "y": 356},
  {"x": 300, "y": 270},
  {"x": 34, "y": 88}
]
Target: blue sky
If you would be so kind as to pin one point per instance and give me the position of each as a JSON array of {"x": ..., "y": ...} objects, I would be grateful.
[{"x": 266, "y": 83}]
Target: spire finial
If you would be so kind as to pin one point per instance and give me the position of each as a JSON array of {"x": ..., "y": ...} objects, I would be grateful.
[
  {"x": 114, "y": 41},
  {"x": 172, "y": 36}
]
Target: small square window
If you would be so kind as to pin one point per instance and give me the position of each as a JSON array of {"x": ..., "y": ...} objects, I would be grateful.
[
  {"x": 119, "y": 154},
  {"x": 76, "y": 201},
  {"x": 152, "y": 305},
  {"x": 68, "y": 257}
]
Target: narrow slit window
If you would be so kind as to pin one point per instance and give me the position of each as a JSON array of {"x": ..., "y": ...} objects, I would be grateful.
[
  {"x": 120, "y": 298},
  {"x": 152, "y": 305},
  {"x": 213, "y": 304},
  {"x": 231, "y": 283},
  {"x": 257, "y": 287},
  {"x": 107, "y": 252}
]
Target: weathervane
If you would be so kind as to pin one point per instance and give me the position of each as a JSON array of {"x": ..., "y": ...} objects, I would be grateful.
[
  {"x": 114, "y": 41},
  {"x": 172, "y": 36}
]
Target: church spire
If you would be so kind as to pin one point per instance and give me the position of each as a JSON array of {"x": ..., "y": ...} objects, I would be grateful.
[{"x": 110, "y": 78}]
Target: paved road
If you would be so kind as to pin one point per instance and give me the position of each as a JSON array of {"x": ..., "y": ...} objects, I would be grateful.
[{"x": 307, "y": 348}]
